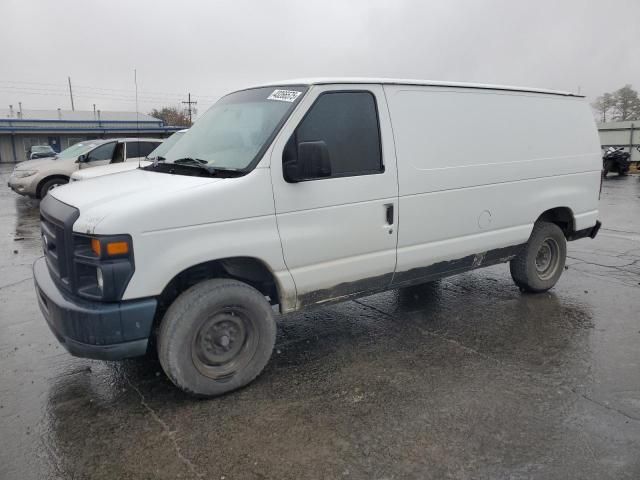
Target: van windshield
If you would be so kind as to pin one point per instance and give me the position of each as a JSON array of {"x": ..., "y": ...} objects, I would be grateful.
[
  {"x": 237, "y": 129},
  {"x": 162, "y": 149}
]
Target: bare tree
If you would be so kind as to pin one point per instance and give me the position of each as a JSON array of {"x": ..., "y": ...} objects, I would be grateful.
[
  {"x": 171, "y": 116},
  {"x": 627, "y": 104},
  {"x": 603, "y": 105}
]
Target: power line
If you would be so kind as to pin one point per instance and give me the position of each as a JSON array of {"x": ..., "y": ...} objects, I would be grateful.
[
  {"x": 44, "y": 91},
  {"x": 91, "y": 88}
]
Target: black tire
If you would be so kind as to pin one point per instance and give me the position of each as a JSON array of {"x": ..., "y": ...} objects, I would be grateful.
[
  {"x": 217, "y": 336},
  {"x": 539, "y": 265},
  {"x": 50, "y": 184},
  {"x": 608, "y": 165}
]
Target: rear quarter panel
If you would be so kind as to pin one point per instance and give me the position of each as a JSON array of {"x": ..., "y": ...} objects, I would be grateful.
[{"x": 478, "y": 167}]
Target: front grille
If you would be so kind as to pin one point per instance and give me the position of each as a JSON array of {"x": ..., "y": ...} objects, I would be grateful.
[
  {"x": 56, "y": 223},
  {"x": 53, "y": 246}
]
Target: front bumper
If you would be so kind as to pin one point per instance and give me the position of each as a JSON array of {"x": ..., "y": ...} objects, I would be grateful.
[
  {"x": 23, "y": 186},
  {"x": 105, "y": 331}
]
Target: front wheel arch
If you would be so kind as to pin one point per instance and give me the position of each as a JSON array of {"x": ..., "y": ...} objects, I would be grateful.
[{"x": 46, "y": 180}]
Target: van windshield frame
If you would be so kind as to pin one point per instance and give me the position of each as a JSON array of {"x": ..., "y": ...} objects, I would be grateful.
[{"x": 193, "y": 142}]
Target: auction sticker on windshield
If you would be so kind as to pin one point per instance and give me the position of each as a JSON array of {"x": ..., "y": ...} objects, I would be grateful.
[{"x": 284, "y": 95}]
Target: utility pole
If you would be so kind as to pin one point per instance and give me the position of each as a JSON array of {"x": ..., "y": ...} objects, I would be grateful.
[
  {"x": 189, "y": 103},
  {"x": 71, "y": 95}
]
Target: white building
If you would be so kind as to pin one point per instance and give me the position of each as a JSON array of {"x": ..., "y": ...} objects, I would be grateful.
[{"x": 621, "y": 134}]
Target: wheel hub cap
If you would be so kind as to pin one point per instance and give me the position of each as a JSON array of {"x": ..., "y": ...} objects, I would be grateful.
[
  {"x": 223, "y": 344},
  {"x": 220, "y": 339},
  {"x": 547, "y": 259}
]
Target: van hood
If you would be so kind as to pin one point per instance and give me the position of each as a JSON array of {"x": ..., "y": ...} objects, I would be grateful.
[
  {"x": 94, "y": 172},
  {"x": 123, "y": 193}
]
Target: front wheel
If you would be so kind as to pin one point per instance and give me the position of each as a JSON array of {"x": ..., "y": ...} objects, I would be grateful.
[
  {"x": 217, "y": 336},
  {"x": 49, "y": 185},
  {"x": 539, "y": 265}
]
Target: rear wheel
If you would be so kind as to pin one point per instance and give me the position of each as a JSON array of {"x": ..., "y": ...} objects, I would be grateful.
[
  {"x": 216, "y": 336},
  {"x": 539, "y": 265},
  {"x": 607, "y": 167}
]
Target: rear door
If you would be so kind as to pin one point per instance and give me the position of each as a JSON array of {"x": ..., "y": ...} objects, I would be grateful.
[{"x": 339, "y": 233}]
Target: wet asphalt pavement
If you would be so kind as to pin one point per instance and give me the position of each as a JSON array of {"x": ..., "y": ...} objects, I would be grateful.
[{"x": 464, "y": 378}]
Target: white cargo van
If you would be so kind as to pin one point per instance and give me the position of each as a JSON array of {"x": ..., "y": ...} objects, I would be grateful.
[{"x": 309, "y": 192}]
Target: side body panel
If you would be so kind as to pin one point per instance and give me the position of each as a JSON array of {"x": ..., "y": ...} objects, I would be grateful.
[
  {"x": 205, "y": 219},
  {"x": 478, "y": 167},
  {"x": 335, "y": 236}
]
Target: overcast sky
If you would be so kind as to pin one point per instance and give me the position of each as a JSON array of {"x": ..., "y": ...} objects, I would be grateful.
[{"x": 211, "y": 47}]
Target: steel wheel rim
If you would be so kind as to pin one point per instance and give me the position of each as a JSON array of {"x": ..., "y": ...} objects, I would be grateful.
[
  {"x": 547, "y": 259},
  {"x": 224, "y": 343}
]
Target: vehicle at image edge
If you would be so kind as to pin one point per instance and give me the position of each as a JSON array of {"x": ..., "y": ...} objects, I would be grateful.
[
  {"x": 615, "y": 159},
  {"x": 304, "y": 193},
  {"x": 35, "y": 178},
  {"x": 158, "y": 153},
  {"x": 40, "y": 151}
]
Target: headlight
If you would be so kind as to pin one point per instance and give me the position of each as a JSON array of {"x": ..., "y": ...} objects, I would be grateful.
[
  {"x": 103, "y": 266},
  {"x": 23, "y": 173}
]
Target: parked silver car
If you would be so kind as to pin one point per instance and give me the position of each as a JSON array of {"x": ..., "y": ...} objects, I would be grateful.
[
  {"x": 157, "y": 154},
  {"x": 35, "y": 178}
]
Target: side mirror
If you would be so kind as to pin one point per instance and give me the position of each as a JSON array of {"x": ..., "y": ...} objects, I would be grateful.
[
  {"x": 313, "y": 160},
  {"x": 81, "y": 159},
  {"x": 291, "y": 171}
]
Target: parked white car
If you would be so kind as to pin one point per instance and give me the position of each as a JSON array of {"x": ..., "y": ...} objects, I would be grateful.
[
  {"x": 310, "y": 192},
  {"x": 157, "y": 154},
  {"x": 35, "y": 178}
]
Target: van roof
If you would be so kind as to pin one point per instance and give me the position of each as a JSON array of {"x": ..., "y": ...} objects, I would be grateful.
[{"x": 401, "y": 81}]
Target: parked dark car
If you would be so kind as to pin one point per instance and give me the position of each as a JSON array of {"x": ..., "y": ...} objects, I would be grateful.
[{"x": 40, "y": 151}]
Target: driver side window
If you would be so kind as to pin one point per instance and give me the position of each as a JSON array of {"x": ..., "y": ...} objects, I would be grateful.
[
  {"x": 346, "y": 125},
  {"x": 103, "y": 152}
]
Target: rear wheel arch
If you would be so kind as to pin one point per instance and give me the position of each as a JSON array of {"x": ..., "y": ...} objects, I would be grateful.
[{"x": 562, "y": 217}]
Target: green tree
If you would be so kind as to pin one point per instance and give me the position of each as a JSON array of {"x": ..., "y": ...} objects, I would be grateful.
[{"x": 171, "y": 116}]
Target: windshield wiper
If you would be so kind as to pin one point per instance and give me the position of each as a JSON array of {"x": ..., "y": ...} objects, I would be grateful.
[
  {"x": 199, "y": 163},
  {"x": 195, "y": 164},
  {"x": 190, "y": 161}
]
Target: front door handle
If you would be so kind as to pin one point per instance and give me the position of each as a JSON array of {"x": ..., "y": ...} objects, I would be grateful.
[{"x": 389, "y": 213}]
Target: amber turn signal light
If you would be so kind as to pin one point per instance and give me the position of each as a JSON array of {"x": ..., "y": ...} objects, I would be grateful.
[
  {"x": 117, "y": 248},
  {"x": 96, "y": 247},
  {"x": 112, "y": 248}
]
